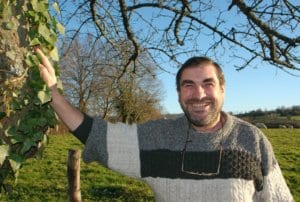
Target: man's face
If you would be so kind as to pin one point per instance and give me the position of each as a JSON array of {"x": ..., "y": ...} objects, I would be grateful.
[{"x": 201, "y": 96}]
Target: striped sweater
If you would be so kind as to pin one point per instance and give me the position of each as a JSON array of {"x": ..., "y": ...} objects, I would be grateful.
[{"x": 153, "y": 152}]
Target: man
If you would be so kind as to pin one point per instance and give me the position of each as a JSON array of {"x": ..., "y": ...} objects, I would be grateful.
[{"x": 206, "y": 155}]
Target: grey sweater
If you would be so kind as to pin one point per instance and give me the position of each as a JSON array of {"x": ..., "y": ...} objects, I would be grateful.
[{"x": 153, "y": 151}]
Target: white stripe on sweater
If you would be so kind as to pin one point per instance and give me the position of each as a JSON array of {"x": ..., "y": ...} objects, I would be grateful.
[
  {"x": 275, "y": 189},
  {"x": 213, "y": 190},
  {"x": 123, "y": 149}
]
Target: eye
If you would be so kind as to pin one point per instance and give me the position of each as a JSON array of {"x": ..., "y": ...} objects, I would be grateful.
[
  {"x": 187, "y": 84},
  {"x": 210, "y": 84}
]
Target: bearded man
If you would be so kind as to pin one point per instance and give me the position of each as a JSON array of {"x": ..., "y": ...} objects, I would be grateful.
[{"x": 206, "y": 155}]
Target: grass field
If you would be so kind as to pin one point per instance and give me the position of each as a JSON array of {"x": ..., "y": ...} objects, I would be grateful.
[
  {"x": 45, "y": 179},
  {"x": 286, "y": 145}
]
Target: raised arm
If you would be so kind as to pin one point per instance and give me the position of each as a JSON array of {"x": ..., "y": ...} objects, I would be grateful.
[{"x": 71, "y": 116}]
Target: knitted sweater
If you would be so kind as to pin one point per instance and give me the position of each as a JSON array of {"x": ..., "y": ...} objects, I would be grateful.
[{"x": 153, "y": 152}]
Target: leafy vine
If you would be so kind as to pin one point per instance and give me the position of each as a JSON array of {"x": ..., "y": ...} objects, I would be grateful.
[{"x": 25, "y": 114}]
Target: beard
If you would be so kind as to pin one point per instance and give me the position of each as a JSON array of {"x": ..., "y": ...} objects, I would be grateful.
[{"x": 210, "y": 115}]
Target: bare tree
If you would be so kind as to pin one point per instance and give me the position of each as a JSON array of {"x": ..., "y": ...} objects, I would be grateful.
[
  {"x": 248, "y": 31},
  {"x": 138, "y": 97},
  {"x": 95, "y": 81},
  {"x": 84, "y": 74}
]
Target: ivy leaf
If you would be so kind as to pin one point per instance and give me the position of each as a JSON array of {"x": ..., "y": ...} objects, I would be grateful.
[
  {"x": 48, "y": 34},
  {"x": 4, "y": 150},
  {"x": 44, "y": 96},
  {"x": 56, "y": 7},
  {"x": 35, "y": 42},
  {"x": 15, "y": 161},
  {"x": 27, "y": 144},
  {"x": 16, "y": 105},
  {"x": 10, "y": 26},
  {"x": 54, "y": 54},
  {"x": 16, "y": 139},
  {"x": 45, "y": 32},
  {"x": 60, "y": 28},
  {"x": 10, "y": 131},
  {"x": 38, "y": 6},
  {"x": 37, "y": 136}
]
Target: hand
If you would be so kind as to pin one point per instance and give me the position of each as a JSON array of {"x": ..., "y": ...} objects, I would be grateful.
[{"x": 46, "y": 70}]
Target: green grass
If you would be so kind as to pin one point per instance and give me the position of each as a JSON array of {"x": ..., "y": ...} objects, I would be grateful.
[
  {"x": 46, "y": 179},
  {"x": 286, "y": 145},
  {"x": 296, "y": 118}
]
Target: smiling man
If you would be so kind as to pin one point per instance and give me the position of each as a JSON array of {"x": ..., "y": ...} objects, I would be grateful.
[
  {"x": 200, "y": 86},
  {"x": 206, "y": 155}
]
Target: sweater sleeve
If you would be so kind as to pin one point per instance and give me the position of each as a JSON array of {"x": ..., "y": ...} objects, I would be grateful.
[
  {"x": 96, "y": 144},
  {"x": 82, "y": 131},
  {"x": 274, "y": 185}
]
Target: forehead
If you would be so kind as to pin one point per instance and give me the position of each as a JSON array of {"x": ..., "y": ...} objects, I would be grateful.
[{"x": 199, "y": 73}]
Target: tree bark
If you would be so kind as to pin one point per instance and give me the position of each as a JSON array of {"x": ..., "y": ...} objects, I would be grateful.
[{"x": 74, "y": 175}]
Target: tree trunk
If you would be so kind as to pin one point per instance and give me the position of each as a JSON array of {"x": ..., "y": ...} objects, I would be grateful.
[{"x": 74, "y": 175}]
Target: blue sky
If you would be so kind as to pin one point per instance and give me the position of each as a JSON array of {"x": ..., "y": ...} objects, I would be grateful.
[
  {"x": 260, "y": 86},
  {"x": 264, "y": 87}
]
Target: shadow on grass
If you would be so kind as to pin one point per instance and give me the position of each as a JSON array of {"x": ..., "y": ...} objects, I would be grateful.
[{"x": 117, "y": 193}]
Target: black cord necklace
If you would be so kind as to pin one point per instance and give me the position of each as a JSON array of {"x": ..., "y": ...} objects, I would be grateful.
[{"x": 217, "y": 172}]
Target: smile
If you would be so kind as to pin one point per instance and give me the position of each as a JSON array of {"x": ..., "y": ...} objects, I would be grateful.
[{"x": 199, "y": 106}]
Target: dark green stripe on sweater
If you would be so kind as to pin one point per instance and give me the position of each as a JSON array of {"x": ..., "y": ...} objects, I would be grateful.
[{"x": 234, "y": 164}]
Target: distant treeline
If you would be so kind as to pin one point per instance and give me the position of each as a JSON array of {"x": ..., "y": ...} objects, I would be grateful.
[
  {"x": 282, "y": 117},
  {"x": 288, "y": 117},
  {"x": 281, "y": 111}
]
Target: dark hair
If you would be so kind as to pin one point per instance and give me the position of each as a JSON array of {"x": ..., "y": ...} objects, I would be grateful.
[{"x": 196, "y": 61}]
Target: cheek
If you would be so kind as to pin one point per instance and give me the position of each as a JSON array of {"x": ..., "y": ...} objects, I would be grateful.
[{"x": 184, "y": 94}]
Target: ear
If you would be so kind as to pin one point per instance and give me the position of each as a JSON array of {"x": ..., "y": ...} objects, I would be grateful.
[{"x": 223, "y": 88}]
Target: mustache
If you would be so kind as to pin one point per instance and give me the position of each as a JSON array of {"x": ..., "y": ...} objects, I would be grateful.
[{"x": 197, "y": 100}]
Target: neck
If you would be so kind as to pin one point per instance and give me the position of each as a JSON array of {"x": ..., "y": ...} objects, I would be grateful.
[{"x": 213, "y": 127}]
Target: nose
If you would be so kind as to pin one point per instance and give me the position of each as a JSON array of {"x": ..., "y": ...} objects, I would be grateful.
[{"x": 199, "y": 92}]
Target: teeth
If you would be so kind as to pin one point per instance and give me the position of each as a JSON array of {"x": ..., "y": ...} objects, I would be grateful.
[{"x": 199, "y": 105}]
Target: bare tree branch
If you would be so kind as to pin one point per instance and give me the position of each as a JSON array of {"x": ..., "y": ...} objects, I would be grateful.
[{"x": 168, "y": 30}]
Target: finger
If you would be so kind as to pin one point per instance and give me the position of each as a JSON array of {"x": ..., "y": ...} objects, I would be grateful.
[
  {"x": 45, "y": 60},
  {"x": 43, "y": 71},
  {"x": 48, "y": 78}
]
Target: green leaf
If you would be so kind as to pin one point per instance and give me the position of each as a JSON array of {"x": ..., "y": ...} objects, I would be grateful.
[
  {"x": 16, "y": 105},
  {"x": 60, "y": 28},
  {"x": 15, "y": 161},
  {"x": 27, "y": 144},
  {"x": 56, "y": 7},
  {"x": 29, "y": 62},
  {"x": 10, "y": 131},
  {"x": 48, "y": 34},
  {"x": 10, "y": 25},
  {"x": 33, "y": 59},
  {"x": 16, "y": 139},
  {"x": 35, "y": 42},
  {"x": 45, "y": 32},
  {"x": 4, "y": 150},
  {"x": 38, "y": 136},
  {"x": 44, "y": 96},
  {"x": 39, "y": 6},
  {"x": 54, "y": 54}
]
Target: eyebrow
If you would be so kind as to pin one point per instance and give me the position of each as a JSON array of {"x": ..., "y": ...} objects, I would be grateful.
[
  {"x": 187, "y": 81},
  {"x": 209, "y": 80}
]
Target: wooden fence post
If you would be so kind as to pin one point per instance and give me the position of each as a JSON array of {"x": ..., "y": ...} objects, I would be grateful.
[{"x": 74, "y": 175}]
